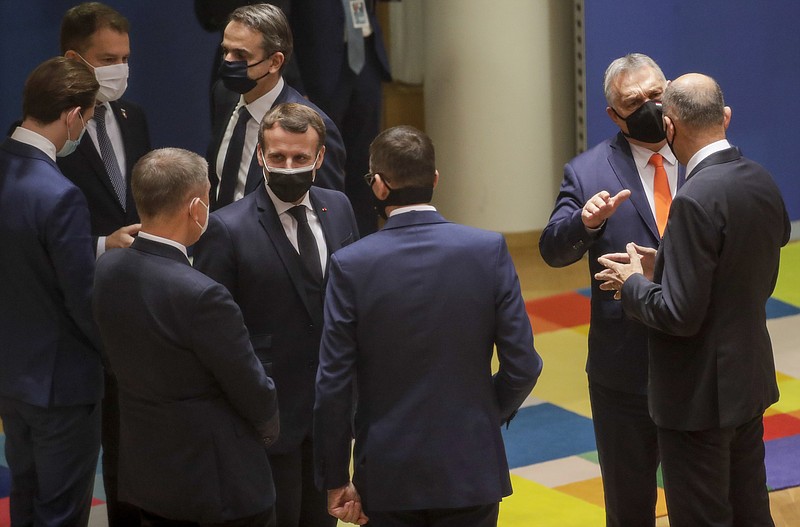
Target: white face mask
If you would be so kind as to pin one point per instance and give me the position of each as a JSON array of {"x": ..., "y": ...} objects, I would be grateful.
[
  {"x": 208, "y": 212},
  {"x": 113, "y": 80},
  {"x": 71, "y": 144}
]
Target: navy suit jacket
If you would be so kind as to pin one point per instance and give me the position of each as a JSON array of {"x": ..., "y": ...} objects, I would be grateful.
[
  {"x": 319, "y": 46},
  {"x": 246, "y": 250},
  {"x": 414, "y": 311},
  {"x": 49, "y": 347},
  {"x": 191, "y": 390},
  {"x": 711, "y": 363},
  {"x": 617, "y": 344},
  {"x": 331, "y": 173},
  {"x": 85, "y": 168}
]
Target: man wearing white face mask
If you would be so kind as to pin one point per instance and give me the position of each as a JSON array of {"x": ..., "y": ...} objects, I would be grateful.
[
  {"x": 97, "y": 35},
  {"x": 191, "y": 387},
  {"x": 271, "y": 250},
  {"x": 51, "y": 379}
]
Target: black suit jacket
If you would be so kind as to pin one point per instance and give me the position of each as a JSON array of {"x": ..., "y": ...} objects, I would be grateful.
[
  {"x": 711, "y": 363},
  {"x": 247, "y": 251},
  {"x": 191, "y": 390},
  {"x": 331, "y": 173},
  {"x": 85, "y": 168}
]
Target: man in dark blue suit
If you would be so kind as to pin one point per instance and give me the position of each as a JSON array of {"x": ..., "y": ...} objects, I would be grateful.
[
  {"x": 196, "y": 407},
  {"x": 256, "y": 45},
  {"x": 712, "y": 373},
  {"x": 412, "y": 315},
  {"x": 271, "y": 250},
  {"x": 97, "y": 35},
  {"x": 51, "y": 379},
  {"x": 342, "y": 62},
  {"x": 607, "y": 199}
]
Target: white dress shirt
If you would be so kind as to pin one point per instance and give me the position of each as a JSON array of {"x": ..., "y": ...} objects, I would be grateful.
[
  {"x": 31, "y": 138},
  {"x": 706, "y": 151},
  {"x": 290, "y": 224}
]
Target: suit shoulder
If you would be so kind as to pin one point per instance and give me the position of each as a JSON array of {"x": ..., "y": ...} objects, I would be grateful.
[{"x": 599, "y": 151}]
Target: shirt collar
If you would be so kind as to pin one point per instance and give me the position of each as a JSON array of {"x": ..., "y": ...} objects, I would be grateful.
[
  {"x": 641, "y": 155},
  {"x": 38, "y": 141},
  {"x": 165, "y": 241},
  {"x": 259, "y": 108},
  {"x": 411, "y": 208},
  {"x": 704, "y": 152}
]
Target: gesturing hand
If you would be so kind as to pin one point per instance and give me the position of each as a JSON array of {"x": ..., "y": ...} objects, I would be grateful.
[{"x": 601, "y": 206}]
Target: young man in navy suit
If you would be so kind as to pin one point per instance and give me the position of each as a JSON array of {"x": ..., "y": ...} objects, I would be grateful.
[
  {"x": 51, "y": 379},
  {"x": 256, "y": 45},
  {"x": 196, "y": 406},
  {"x": 607, "y": 199},
  {"x": 271, "y": 250},
  {"x": 412, "y": 315},
  {"x": 96, "y": 35},
  {"x": 712, "y": 373}
]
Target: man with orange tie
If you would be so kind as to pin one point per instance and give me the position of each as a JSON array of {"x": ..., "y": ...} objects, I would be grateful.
[{"x": 617, "y": 192}]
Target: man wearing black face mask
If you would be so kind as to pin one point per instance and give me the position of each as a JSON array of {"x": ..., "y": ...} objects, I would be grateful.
[
  {"x": 617, "y": 192},
  {"x": 256, "y": 46},
  {"x": 271, "y": 250}
]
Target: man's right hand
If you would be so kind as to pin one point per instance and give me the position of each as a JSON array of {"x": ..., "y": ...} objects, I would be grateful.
[
  {"x": 601, "y": 206},
  {"x": 122, "y": 237},
  {"x": 344, "y": 503}
]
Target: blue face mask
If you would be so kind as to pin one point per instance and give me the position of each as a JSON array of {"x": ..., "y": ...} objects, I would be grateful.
[
  {"x": 71, "y": 145},
  {"x": 234, "y": 75}
]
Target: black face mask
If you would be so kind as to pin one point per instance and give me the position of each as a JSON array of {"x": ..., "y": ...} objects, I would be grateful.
[
  {"x": 234, "y": 75},
  {"x": 289, "y": 184},
  {"x": 645, "y": 124},
  {"x": 402, "y": 196}
]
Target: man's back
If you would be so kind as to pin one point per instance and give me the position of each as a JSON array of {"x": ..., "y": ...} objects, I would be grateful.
[{"x": 431, "y": 298}]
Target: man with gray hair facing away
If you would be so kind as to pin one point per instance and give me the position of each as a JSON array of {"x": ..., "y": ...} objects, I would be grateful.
[{"x": 196, "y": 407}]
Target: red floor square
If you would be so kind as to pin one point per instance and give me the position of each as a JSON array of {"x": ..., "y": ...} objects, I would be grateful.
[{"x": 559, "y": 311}]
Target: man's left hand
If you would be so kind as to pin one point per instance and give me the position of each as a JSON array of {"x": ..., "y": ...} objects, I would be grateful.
[{"x": 619, "y": 267}]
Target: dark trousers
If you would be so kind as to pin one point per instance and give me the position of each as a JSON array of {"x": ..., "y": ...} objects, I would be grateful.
[
  {"x": 52, "y": 456},
  {"x": 298, "y": 502},
  {"x": 120, "y": 514},
  {"x": 627, "y": 448},
  {"x": 265, "y": 519},
  {"x": 478, "y": 516},
  {"x": 716, "y": 477},
  {"x": 355, "y": 107}
]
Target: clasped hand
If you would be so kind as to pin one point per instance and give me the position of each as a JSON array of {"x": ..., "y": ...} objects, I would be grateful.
[{"x": 620, "y": 266}]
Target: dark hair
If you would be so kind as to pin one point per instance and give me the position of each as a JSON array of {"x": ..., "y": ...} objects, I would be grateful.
[
  {"x": 163, "y": 179},
  {"x": 84, "y": 20},
  {"x": 295, "y": 118},
  {"x": 55, "y": 86},
  {"x": 404, "y": 156},
  {"x": 270, "y": 21}
]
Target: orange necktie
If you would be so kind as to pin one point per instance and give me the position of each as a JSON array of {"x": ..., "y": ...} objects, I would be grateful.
[{"x": 661, "y": 194}]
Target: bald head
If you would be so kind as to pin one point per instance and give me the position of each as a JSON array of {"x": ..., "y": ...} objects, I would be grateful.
[{"x": 695, "y": 100}]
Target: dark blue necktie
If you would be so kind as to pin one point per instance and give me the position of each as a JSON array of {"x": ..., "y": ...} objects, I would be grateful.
[
  {"x": 233, "y": 159},
  {"x": 108, "y": 156}
]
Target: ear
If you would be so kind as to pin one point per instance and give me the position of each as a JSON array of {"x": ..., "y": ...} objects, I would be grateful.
[
  {"x": 259, "y": 155},
  {"x": 726, "y": 116},
  {"x": 669, "y": 128},
  {"x": 435, "y": 178},
  {"x": 276, "y": 61},
  {"x": 320, "y": 158},
  {"x": 379, "y": 187},
  {"x": 72, "y": 54}
]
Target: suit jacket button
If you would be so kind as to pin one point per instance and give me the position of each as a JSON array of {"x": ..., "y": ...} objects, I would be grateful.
[{"x": 311, "y": 329}]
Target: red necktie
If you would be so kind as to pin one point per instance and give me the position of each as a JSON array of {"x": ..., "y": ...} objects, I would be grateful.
[{"x": 661, "y": 194}]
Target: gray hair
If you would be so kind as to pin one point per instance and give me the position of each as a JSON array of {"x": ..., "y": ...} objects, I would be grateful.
[
  {"x": 699, "y": 105},
  {"x": 622, "y": 65},
  {"x": 164, "y": 179},
  {"x": 271, "y": 22}
]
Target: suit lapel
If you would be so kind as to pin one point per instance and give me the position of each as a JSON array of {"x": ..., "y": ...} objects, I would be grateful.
[
  {"x": 268, "y": 218},
  {"x": 623, "y": 165}
]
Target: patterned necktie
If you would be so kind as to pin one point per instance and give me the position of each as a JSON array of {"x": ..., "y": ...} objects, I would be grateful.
[
  {"x": 107, "y": 154},
  {"x": 307, "y": 243},
  {"x": 661, "y": 193},
  {"x": 355, "y": 38},
  {"x": 233, "y": 159}
]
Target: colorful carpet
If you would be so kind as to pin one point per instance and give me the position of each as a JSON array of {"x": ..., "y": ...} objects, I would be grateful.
[
  {"x": 551, "y": 447},
  {"x": 550, "y": 444}
]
